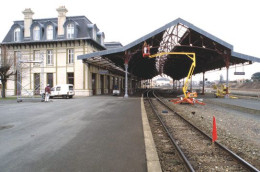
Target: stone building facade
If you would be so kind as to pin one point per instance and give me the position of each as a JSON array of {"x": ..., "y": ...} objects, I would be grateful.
[{"x": 56, "y": 43}]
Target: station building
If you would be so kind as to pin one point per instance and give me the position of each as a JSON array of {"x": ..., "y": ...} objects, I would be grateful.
[
  {"x": 56, "y": 43},
  {"x": 73, "y": 51}
]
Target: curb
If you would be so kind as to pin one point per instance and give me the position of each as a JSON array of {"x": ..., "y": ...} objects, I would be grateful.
[{"x": 152, "y": 159}]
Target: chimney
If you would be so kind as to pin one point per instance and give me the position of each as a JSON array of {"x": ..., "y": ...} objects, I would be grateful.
[
  {"x": 28, "y": 13},
  {"x": 61, "y": 19}
]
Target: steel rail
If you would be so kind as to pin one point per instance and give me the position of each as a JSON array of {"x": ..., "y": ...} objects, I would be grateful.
[
  {"x": 241, "y": 160},
  {"x": 186, "y": 161}
]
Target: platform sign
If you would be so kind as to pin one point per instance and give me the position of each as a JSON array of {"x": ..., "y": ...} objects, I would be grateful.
[
  {"x": 239, "y": 73},
  {"x": 103, "y": 72}
]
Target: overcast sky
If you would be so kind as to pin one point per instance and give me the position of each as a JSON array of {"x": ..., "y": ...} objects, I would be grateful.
[{"x": 234, "y": 21}]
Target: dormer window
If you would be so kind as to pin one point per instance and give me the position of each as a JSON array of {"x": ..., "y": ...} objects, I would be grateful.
[
  {"x": 36, "y": 33},
  {"x": 17, "y": 32},
  {"x": 94, "y": 34},
  {"x": 49, "y": 32},
  {"x": 70, "y": 30}
]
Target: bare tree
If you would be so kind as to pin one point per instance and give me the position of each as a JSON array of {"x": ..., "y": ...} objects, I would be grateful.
[{"x": 7, "y": 68}]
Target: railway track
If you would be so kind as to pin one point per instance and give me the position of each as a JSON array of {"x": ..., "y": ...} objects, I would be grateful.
[{"x": 194, "y": 146}]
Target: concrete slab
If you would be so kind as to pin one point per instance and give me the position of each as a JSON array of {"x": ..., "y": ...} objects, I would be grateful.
[
  {"x": 100, "y": 133},
  {"x": 251, "y": 104}
]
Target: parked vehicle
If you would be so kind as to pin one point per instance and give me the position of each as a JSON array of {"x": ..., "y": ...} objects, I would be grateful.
[
  {"x": 116, "y": 91},
  {"x": 64, "y": 91}
]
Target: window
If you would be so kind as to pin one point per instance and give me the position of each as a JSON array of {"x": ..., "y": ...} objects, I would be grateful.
[
  {"x": 49, "y": 57},
  {"x": 94, "y": 34},
  {"x": 36, "y": 57},
  {"x": 70, "y": 56},
  {"x": 36, "y": 33},
  {"x": 49, "y": 32},
  {"x": 17, "y": 55},
  {"x": 70, "y": 30},
  {"x": 50, "y": 79},
  {"x": 70, "y": 77},
  {"x": 17, "y": 32},
  {"x": 58, "y": 89}
]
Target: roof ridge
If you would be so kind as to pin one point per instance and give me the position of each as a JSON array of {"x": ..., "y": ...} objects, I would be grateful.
[{"x": 56, "y": 18}]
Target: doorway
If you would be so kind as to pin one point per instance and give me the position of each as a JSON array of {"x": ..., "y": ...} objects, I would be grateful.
[
  {"x": 94, "y": 84},
  {"x": 36, "y": 84},
  {"x": 102, "y": 83},
  {"x": 108, "y": 84}
]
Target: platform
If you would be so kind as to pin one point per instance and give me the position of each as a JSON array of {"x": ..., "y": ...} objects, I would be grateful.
[
  {"x": 101, "y": 133},
  {"x": 243, "y": 105}
]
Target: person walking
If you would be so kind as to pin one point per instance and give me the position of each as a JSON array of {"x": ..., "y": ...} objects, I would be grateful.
[{"x": 47, "y": 92}]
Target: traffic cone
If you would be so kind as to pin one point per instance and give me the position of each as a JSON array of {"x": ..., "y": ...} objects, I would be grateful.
[{"x": 214, "y": 130}]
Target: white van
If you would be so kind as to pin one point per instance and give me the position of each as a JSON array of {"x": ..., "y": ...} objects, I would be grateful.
[
  {"x": 116, "y": 91},
  {"x": 64, "y": 91}
]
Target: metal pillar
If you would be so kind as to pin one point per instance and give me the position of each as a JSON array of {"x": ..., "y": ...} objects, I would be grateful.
[
  {"x": 227, "y": 61},
  {"x": 203, "y": 84},
  {"x": 126, "y": 81},
  {"x": 227, "y": 96}
]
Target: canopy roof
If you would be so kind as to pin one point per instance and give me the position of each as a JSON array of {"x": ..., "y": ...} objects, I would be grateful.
[{"x": 176, "y": 36}]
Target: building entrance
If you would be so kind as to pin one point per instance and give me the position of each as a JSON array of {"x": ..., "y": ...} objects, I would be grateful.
[
  {"x": 94, "y": 85},
  {"x": 102, "y": 83}
]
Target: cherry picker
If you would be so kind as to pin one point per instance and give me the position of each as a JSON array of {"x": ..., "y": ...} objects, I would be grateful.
[{"x": 189, "y": 97}]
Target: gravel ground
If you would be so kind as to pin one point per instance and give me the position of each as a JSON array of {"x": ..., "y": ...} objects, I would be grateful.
[{"x": 237, "y": 130}]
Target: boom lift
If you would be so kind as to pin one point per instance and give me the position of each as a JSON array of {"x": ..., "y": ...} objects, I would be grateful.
[
  {"x": 189, "y": 97},
  {"x": 222, "y": 91}
]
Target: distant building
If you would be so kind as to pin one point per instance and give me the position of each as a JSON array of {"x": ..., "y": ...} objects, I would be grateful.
[
  {"x": 58, "y": 42},
  {"x": 163, "y": 81}
]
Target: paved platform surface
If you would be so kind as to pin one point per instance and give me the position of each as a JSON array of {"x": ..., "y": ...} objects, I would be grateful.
[
  {"x": 100, "y": 133},
  {"x": 251, "y": 104}
]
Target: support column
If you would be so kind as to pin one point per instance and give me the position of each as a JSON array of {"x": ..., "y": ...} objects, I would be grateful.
[
  {"x": 227, "y": 92},
  {"x": 126, "y": 83},
  {"x": 203, "y": 84},
  {"x": 227, "y": 61},
  {"x": 127, "y": 58}
]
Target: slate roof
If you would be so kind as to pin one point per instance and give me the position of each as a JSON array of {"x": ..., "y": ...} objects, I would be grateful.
[
  {"x": 163, "y": 28},
  {"x": 112, "y": 45},
  {"x": 83, "y": 30},
  {"x": 145, "y": 68}
]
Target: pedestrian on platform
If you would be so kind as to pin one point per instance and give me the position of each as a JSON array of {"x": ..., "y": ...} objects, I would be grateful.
[{"x": 47, "y": 92}]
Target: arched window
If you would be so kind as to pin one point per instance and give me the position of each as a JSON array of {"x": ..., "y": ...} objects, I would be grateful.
[
  {"x": 36, "y": 33},
  {"x": 70, "y": 30},
  {"x": 17, "y": 32},
  {"x": 49, "y": 32}
]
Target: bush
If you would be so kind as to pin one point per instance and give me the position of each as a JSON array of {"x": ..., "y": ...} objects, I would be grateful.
[{"x": 256, "y": 76}]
